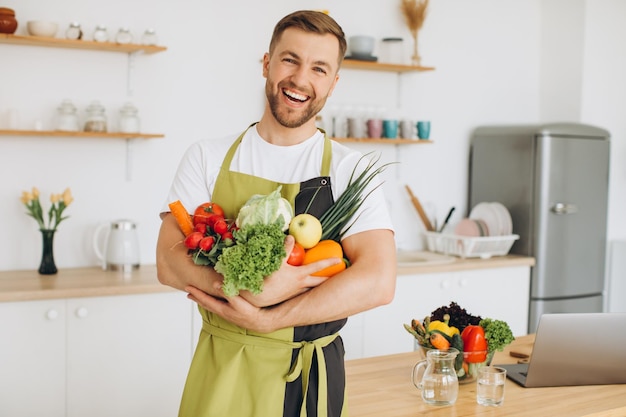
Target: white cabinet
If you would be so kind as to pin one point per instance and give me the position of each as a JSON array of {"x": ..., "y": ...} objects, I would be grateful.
[
  {"x": 32, "y": 358},
  {"x": 99, "y": 356},
  {"x": 499, "y": 293}
]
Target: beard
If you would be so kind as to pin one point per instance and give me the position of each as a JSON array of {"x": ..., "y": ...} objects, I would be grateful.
[{"x": 287, "y": 117}]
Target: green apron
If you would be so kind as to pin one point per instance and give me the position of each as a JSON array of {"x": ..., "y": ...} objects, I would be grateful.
[{"x": 240, "y": 373}]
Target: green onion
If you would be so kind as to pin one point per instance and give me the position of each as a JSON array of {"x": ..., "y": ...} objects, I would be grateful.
[{"x": 336, "y": 221}]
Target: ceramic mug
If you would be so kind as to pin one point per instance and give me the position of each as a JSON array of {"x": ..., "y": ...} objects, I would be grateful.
[
  {"x": 374, "y": 128},
  {"x": 407, "y": 129},
  {"x": 390, "y": 129},
  {"x": 356, "y": 128},
  {"x": 423, "y": 129}
]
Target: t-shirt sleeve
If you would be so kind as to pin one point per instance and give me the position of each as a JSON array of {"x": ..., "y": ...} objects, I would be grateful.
[{"x": 195, "y": 176}]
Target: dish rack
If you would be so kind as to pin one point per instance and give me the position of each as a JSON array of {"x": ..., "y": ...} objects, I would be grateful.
[{"x": 470, "y": 247}]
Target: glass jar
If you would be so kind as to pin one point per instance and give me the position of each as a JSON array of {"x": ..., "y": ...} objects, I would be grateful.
[
  {"x": 123, "y": 36},
  {"x": 67, "y": 118},
  {"x": 392, "y": 51},
  {"x": 101, "y": 34},
  {"x": 129, "y": 121},
  {"x": 149, "y": 37},
  {"x": 74, "y": 32},
  {"x": 96, "y": 118}
]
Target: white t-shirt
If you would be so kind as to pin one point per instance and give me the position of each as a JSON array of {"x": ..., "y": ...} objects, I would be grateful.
[{"x": 198, "y": 170}]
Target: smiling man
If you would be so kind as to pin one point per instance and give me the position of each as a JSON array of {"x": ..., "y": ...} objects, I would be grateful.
[{"x": 278, "y": 353}]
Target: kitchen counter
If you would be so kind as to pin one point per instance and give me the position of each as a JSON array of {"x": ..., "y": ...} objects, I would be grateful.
[
  {"x": 93, "y": 281},
  {"x": 381, "y": 386},
  {"x": 77, "y": 282},
  {"x": 459, "y": 264}
]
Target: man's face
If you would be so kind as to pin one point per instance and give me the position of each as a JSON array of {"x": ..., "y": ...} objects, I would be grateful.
[{"x": 301, "y": 74}]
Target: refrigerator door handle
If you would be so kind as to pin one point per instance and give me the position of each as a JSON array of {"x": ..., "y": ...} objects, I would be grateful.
[{"x": 564, "y": 208}]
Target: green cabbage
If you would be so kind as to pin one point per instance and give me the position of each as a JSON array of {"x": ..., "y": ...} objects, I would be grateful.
[{"x": 266, "y": 209}]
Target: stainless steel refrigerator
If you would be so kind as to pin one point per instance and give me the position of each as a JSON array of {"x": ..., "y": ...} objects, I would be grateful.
[{"x": 553, "y": 179}]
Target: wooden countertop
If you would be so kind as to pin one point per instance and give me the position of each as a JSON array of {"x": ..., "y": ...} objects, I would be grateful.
[
  {"x": 381, "y": 387},
  {"x": 460, "y": 264},
  {"x": 77, "y": 282},
  {"x": 94, "y": 282}
]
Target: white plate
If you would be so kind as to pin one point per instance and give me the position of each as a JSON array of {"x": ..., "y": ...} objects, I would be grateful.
[
  {"x": 504, "y": 217},
  {"x": 486, "y": 213},
  {"x": 422, "y": 258}
]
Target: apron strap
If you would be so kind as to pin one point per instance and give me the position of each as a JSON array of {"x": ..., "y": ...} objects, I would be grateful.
[
  {"x": 302, "y": 365},
  {"x": 326, "y": 156}
]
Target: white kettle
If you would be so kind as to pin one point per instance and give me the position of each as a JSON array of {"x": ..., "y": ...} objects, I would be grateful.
[{"x": 121, "y": 245}]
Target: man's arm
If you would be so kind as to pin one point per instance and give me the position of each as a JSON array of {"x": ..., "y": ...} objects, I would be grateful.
[
  {"x": 369, "y": 282},
  {"x": 175, "y": 268}
]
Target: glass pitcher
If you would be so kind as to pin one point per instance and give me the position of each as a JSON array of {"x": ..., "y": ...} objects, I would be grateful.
[{"x": 436, "y": 378}]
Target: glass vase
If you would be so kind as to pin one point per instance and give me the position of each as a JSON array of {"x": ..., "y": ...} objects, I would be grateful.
[{"x": 47, "y": 266}]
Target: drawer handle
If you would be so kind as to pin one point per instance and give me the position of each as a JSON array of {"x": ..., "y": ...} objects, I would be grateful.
[
  {"x": 82, "y": 312},
  {"x": 52, "y": 314}
]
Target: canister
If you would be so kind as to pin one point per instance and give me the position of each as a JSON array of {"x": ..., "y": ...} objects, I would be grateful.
[{"x": 392, "y": 51}]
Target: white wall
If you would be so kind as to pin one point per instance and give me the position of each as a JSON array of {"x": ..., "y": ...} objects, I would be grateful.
[{"x": 488, "y": 57}]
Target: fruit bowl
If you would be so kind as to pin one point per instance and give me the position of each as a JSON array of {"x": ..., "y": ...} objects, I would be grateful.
[{"x": 42, "y": 28}]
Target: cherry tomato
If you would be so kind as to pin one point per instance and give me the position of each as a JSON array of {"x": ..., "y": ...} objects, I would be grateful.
[
  {"x": 296, "y": 257},
  {"x": 205, "y": 210},
  {"x": 193, "y": 240},
  {"x": 206, "y": 243}
]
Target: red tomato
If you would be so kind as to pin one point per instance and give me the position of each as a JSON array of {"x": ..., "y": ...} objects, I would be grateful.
[
  {"x": 296, "y": 257},
  {"x": 206, "y": 243},
  {"x": 206, "y": 210},
  {"x": 193, "y": 240}
]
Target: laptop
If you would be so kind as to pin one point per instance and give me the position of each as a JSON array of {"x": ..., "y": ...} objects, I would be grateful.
[{"x": 575, "y": 349}]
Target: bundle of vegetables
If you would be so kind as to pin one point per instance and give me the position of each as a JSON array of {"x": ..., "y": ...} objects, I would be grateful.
[
  {"x": 260, "y": 243},
  {"x": 452, "y": 326},
  {"x": 252, "y": 247}
]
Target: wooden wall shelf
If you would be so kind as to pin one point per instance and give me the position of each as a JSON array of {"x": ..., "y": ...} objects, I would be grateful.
[
  {"x": 382, "y": 66},
  {"x": 58, "y": 134},
  {"x": 384, "y": 141},
  {"x": 79, "y": 44}
]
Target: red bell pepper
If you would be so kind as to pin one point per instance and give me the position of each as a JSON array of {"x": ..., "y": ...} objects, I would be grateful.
[{"x": 474, "y": 344}]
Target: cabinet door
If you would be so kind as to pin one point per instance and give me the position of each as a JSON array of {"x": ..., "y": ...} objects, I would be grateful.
[
  {"x": 499, "y": 293},
  {"x": 383, "y": 327},
  {"x": 32, "y": 358},
  {"x": 127, "y": 355}
]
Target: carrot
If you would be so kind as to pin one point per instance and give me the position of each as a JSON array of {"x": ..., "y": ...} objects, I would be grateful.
[
  {"x": 439, "y": 342},
  {"x": 182, "y": 217}
]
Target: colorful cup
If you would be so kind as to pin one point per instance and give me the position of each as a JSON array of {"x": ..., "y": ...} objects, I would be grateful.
[
  {"x": 390, "y": 129},
  {"x": 423, "y": 129},
  {"x": 374, "y": 128}
]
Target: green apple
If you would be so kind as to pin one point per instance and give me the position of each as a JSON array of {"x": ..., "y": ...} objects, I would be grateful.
[{"x": 306, "y": 229}]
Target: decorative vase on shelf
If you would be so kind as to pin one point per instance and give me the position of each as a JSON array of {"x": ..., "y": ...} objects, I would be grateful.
[
  {"x": 416, "y": 59},
  {"x": 47, "y": 266}
]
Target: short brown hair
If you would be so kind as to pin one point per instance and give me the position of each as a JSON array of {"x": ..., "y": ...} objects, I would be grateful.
[{"x": 311, "y": 21}]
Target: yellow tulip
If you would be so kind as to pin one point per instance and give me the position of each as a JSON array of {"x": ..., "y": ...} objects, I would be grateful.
[
  {"x": 26, "y": 197},
  {"x": 35, "y": 193},
  {"x": 67, "y": 197}
]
